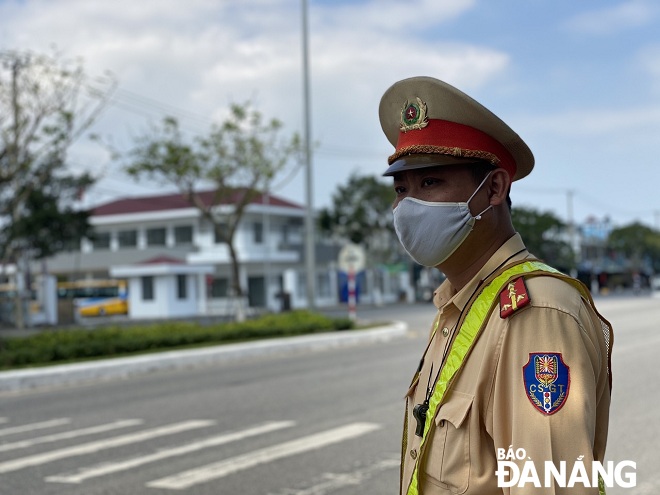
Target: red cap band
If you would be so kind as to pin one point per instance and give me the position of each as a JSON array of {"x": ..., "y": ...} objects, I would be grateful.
[{"x": 459, "y": 140}]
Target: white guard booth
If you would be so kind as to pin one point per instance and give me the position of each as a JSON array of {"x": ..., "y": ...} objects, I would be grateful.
[{"x": 164, "y": 287}]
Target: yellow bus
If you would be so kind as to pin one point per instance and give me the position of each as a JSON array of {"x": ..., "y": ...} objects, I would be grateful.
[{"x": 96, "y": 297}]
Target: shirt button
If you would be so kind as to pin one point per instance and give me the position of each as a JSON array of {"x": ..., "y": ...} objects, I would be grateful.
[
  {"x": 442, "y": 423},
  {"x": 413, "y": 454},
  {"x": 445, "y": 331}
]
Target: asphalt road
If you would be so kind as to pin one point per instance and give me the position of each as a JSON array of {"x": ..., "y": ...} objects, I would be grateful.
[{"x": 327, "y": 422}]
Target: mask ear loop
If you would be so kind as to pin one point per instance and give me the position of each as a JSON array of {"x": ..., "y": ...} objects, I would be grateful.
[{"x": 478, "y": 216}]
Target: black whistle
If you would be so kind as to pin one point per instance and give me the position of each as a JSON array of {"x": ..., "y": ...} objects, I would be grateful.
[{"x": 419, "y": 413}]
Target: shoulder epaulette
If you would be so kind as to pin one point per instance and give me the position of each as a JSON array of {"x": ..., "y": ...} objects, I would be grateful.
[{"x": 514, "y": 296}]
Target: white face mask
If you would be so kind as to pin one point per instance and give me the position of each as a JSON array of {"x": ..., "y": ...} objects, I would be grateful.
[{"x": 429, "y": 231}]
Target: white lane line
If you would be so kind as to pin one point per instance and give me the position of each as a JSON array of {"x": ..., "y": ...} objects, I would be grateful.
[
  {"x": 124, "y": 423},
  {"x": 35, "y": 426},
  {"x": 91, "y": 447},
  {"x": 332, "y": 482},
  {"x": 108, "y": 468},
  {"x": 224, "y": 468}
]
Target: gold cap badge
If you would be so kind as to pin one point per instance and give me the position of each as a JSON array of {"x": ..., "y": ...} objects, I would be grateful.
[{"x": 413, "y": 116}]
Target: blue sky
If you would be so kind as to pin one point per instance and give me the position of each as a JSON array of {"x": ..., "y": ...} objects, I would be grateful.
[{"x": 579, "y": 81}]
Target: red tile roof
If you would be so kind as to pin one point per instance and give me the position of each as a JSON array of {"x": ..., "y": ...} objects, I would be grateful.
[{"x": 175, "y": 201}]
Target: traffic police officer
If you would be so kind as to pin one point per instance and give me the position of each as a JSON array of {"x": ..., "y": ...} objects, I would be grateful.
[{"x": 517, "y": 365}]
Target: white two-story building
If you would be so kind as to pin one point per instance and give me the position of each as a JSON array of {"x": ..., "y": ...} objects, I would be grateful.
[{"x": 164, "y": 238}]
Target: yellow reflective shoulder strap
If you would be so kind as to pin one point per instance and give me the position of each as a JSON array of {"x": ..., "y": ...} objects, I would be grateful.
[{"x": 463, "y": 342}]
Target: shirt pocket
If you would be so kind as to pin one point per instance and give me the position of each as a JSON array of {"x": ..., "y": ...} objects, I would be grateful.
[{"x": 448, "y": 455}]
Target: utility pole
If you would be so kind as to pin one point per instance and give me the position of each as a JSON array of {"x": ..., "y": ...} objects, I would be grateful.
[
  {"x": 571, "y": 227},
  {"x": 310, "y": 261}
]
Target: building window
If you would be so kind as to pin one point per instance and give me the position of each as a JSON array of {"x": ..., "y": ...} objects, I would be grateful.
[
  {"x": 71, "y": 245},
  {"x": 101, "y": 240},
  {"x": 182, "y": 287},
  {"x": 285, "y": 234},
  {"x": 183, "y": 235},
  {"x": 219, "y": 288},
  {"x": 258, "y": 230},
  {"x": 323, "y": 283},
  {"x": 147, "y": 288},
  {"x": 301, "y": 286},
  {"x": 223, "y": 228},
  {"x": 127, "y": 238},
  {"x": 156, "y": 236}
]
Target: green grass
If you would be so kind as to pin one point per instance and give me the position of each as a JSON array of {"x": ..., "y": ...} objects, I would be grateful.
[{"x": 60, "y": 346}]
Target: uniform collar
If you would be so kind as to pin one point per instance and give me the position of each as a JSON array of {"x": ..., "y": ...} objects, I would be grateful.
[{"x": 446, "y": 294}]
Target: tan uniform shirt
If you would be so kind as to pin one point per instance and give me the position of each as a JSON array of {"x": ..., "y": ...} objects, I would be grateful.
[{"x": 488, "y": 407}]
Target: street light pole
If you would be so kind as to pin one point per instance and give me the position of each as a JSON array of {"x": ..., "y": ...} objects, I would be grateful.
[{"x": 310, "y": 261}]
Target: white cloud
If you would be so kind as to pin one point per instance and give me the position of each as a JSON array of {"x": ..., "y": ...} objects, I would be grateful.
[
  {"x": 201, "y": 57},
  {"x": 612, "y": 20},
  {"x": 400, "y": 20}
]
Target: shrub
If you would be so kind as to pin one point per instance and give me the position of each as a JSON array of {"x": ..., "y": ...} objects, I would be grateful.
[{"x": 75, "y": 344}]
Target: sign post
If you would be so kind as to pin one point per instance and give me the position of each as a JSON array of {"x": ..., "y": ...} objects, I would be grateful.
[{"x": 352, "y": 259}]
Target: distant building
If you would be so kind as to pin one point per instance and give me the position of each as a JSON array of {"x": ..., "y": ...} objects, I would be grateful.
[{"x": 164, "y": 237}]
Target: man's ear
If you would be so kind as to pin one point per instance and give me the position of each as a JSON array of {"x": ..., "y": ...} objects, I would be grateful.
[{"x": 498, "y": 186}]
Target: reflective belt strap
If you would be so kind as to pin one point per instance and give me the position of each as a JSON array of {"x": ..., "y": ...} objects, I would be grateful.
[{"x": 464, "y": 341}]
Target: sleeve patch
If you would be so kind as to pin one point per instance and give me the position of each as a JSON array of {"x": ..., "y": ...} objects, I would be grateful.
[
  {"x": 513, "y": 297},
  {"x": 546, "y": 379}
]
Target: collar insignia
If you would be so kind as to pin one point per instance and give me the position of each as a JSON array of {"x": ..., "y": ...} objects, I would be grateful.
[
  {"x": 547, "y": 379},
  {"x": 513, "y": 297},
  {"x": 413, "y": 116}
]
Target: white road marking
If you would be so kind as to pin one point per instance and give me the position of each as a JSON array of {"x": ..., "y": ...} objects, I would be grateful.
[
  {"x": 70, "y": 434},
  {"x": 108, "y": 468},
  {"x": 334, "y": 481},
  {"x": 35, "y": 426},
  {"x": 91, "y": 447},
  {"x": 224, "y": 468}
]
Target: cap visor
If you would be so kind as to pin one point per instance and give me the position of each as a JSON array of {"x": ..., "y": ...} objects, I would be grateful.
[{"x": 414, "y": 162}]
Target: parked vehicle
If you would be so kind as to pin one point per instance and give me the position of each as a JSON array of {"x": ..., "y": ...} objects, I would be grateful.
[{"x": 96, "y": 297}]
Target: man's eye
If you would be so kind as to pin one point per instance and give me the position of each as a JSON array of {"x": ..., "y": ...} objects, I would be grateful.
[
  {"x": 399, "y": 189},
  {"x": 429, "y": 182}
]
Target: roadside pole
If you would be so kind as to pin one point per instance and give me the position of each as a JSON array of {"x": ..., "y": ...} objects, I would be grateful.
[
  {"x": 352, "y": 259},
  {"x": 352, "y": 314}
]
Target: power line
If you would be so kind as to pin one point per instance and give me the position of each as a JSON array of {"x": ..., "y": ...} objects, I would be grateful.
[
  {"x": 145, "y": 106},
  {"x": 140, "y": 105}
]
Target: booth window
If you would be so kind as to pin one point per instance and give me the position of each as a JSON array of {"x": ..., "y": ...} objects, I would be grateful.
[
  {"x": 147, "y": 288},
  {"x": 181, "y": 287}
]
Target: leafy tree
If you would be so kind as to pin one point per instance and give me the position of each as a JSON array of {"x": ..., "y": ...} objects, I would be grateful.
[
  {"x": 238, "y": 157},
  {"x": 46, "y": 104},
  {"x": 361, "y": 213},
  {"x": 637, "y": 242},
  {"x": 542, "y": 234},
  {"x": 49, "y": 226}
]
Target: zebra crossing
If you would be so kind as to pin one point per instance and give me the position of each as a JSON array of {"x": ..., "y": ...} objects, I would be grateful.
[{"x": 81, "y": 441}]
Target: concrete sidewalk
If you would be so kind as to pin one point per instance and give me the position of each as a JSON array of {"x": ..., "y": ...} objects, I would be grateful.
[{"x": 117, "y": 368}]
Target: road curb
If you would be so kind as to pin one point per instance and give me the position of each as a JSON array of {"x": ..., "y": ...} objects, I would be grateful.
[{"x": 117, "y": 368}]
